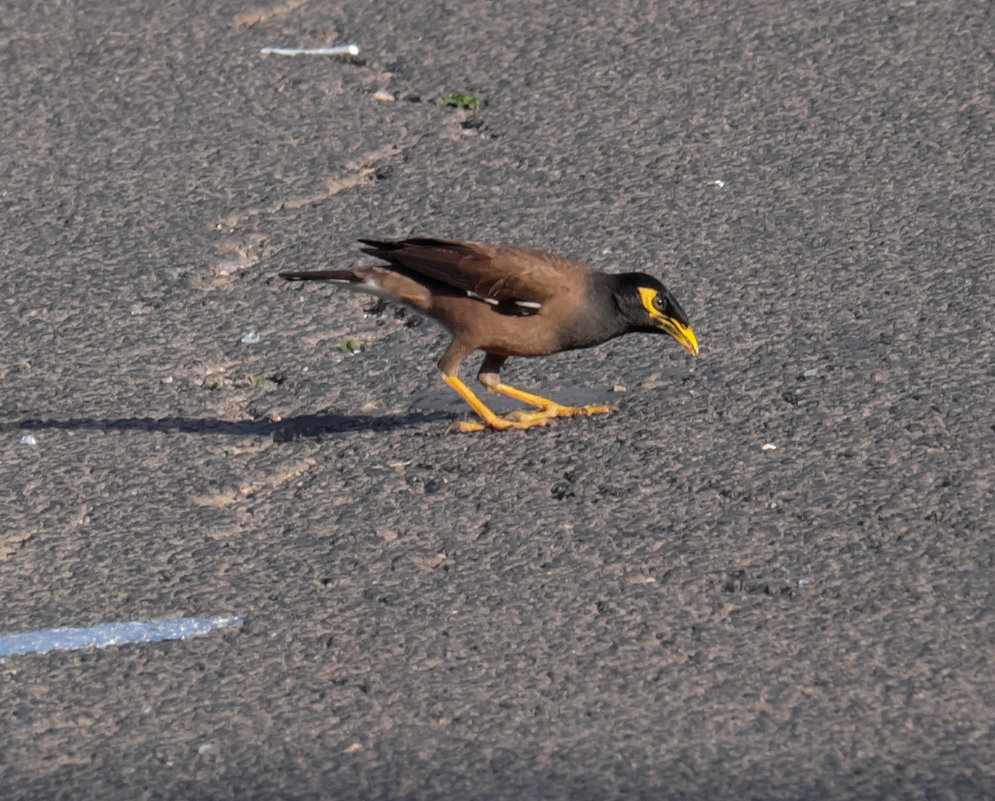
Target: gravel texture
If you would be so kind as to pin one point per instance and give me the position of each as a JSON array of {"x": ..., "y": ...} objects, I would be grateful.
[{"x": 654, "y": 604}]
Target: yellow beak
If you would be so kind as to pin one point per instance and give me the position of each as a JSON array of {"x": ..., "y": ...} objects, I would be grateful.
[{"x": 682, "y": 333}]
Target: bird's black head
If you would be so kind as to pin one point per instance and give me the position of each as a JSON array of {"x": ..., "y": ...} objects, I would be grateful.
[{"x": 650, "y": 308}]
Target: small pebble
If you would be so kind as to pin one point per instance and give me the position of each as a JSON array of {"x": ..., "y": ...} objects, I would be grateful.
[{"x": 225, "y": 268}]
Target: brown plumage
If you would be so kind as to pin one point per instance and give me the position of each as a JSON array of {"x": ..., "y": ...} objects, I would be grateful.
[{"x": 511, "y": 301}]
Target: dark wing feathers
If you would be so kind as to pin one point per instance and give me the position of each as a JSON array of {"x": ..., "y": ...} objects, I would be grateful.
[{"x": 499, "y": 272}]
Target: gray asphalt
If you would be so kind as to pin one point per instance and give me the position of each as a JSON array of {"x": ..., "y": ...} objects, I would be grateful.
[{"x": 653, "y": 604}]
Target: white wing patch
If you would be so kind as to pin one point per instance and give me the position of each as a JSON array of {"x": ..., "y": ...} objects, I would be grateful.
[
  {"x": 490, "y": 301},
  {"x": 525, "y": 305}
]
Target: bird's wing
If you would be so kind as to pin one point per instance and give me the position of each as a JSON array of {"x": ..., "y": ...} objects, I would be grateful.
[{"x": 492, "y": 273}]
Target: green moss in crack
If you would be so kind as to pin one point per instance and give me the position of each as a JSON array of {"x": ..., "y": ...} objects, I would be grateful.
[{"x": 460, "y": 100}]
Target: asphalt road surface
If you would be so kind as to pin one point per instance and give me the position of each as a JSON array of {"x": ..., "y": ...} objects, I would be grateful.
[{"x": 768, "y": 575}]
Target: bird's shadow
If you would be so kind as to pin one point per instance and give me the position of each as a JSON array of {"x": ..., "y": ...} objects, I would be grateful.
[{"x": 290, "y": 428}]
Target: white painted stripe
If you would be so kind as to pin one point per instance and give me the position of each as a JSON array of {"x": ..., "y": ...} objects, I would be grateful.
[
  {"x": 338, "y": 50},
  {"x": 104, "y": 634}
]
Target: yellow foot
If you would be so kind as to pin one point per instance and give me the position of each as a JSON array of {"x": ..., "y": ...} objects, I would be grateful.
[
  {"x": 547, "y": 409},
  {"x": 466, "y": 426},
  {"x": 522, "y": 419},
  {"x": 513, "y": 420},
  {"x": 556, "y": 410}
]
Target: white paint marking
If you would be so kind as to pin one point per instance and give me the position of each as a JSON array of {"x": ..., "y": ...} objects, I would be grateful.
[
  {"x": 105, "y": 634},
  {"x": 338, "y": 50}
]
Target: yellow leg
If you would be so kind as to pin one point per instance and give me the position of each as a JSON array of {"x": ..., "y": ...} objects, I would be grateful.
[
  {"x": 485, "y": 414},
  {"x": 548, "y": 407}
]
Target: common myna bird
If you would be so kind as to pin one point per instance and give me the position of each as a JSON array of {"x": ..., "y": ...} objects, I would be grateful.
[{"x": 511, "y": 301}]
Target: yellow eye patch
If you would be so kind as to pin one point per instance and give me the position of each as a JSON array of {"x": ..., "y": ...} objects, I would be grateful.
[
  {"x": 682, "y": 333},
  {"x": 647, "y": 296}
]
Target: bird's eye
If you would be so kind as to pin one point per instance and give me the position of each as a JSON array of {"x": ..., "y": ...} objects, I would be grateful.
[{"x": 658, "y": 302}]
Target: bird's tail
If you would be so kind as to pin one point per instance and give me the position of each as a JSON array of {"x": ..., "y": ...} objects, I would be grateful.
[
  {"x": 380, "y": 281},
  {"x": 349, "y": 276}
]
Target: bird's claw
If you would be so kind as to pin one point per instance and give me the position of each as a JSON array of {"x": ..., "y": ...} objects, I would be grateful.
[
  {"x": 524, "y": 419},
  {"x": 502, "y": 423}
]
